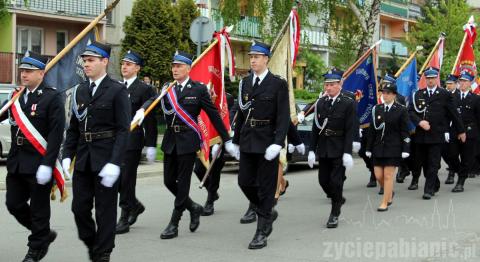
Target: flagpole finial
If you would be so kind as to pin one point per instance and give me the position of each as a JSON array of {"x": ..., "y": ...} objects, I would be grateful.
[
  {"x": 443, "y": 34},
  {"x": 297, "y": 4},
  {"x": 471, "y": 19}
]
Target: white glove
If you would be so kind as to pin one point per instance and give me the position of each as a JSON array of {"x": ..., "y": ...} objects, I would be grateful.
[
  {"x": 139, "y": 116},
  {"x": 109, "y": 174},
  {"x": 356, "y": 147},
  {"x": 66, "y": 162},
  {"x": 405, "y": 155},
  {"x": 300, "y": 117},
  {"x": 360, "y": 131},
  {"x": 233, "y": 149},
  {"x": 447, "y": 137},
  {"x": 291, "y": 148},
  {"x": 272, "y": 151},
  {"x": 347, "y": 161},
  {"x": 215, "y": 149},
  {"x": 301, "y": 148},
  {"x": 151, "y": 154},
  {"x": 44, "y": 174},
  {"x": 311, "y": 159},
  {"x": 368, "y": 154}
]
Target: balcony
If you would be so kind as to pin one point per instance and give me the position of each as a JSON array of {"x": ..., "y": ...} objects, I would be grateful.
[
  {"x": 394, "y": 9},
  {"x": 248, "y": 26},
  {"x": 83, "y": 8},
  {"x": 314, "y": 37},
  {"x": 388, "y": 45}
]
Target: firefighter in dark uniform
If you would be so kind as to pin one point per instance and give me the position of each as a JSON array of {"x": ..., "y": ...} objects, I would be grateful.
[
  {"x": 260, "y": 131},
  {"x": 182, "y": 140},
  {"x": 388, "y": 141},
  {"x": 145, "y": 135},
  {"x": 468, "y": 106},
  {"x": 431, "y": 111},
  {"x": 29, "y": 173},
  {"x": 449, "y": 147},
  {"x": 332, "y": 135},
  {"x": 98, "y": 138}
]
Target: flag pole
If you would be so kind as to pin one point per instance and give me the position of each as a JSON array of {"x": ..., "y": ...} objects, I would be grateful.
[
  {"x": 134, "y": 124},
  {"x": 357, "y": 63},
  {"x": 425, "y": 64},
  {"x": 412, "y": 56},
  {"x": 64, "y": 51},
  {"x": 470, "y": 21}
]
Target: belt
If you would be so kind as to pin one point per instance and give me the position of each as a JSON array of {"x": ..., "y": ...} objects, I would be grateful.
[
  {"x": 90, "y": 136},
  {"x": 257, "y": 122},
  {"x": 20, "y": 141},
  {"x": 330, "y": 132},
  {"x": 179, "y": 128}
]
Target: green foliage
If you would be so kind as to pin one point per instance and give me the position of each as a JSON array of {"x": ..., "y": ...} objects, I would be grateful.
[
  {"x": 346, "y": 39},
  {"x": 3, "y": 7},
  {"x": 304, "y": 95},
  {"x": 313, "y": 71},
  {"x": 446, "y": 16},
  {"x": 156, "y": 29}
]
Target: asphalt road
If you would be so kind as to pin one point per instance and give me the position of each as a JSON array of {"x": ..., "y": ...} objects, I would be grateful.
[{"x": 446, "y": 228}]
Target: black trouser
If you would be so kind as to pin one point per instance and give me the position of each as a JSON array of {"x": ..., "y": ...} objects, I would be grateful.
[
  {"x": 128, "y": 180},
  {"x": 88, "y": 190},
  {"x": 466, "y": 152},
  {"x": 449, "y": 155},
  {"x": 35, "y": 216},
  {"x": 428, "y": 156},
  {"x": 361, "y": 153},
  {"x": 177, "y": 176},
  {"x": 330, "y": 177},
  {"x": 213, "y": 181},
  {"x": 257, "y": 178}
]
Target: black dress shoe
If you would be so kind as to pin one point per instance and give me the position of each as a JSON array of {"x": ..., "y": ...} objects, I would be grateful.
[
  {"x": 380, "y": 192},
  {"x": 140, "y": 208},
  {"x": 123, "y": 226},
  {"x": 400, "y": 177},
  {"x": 196, "y": 211},
  {"x": 208, "y": 209},
  {"x": 260, "y": 238},
  {"x": 34, "y": 255},
  {"x": 382, "y": 209},
  {"x": 332, "y": 221},
  {"x": 250, "y": 216},
  {"x": 427, "y": 196},
  {"x": 103, "y": 257},
  {"x": 451, "y": 178},
  {"x": 458, "y": 188},
  {"x": 413, "y": 185},
  {"x": 269, "y": 224},
  {"x": 372, "y": 183},
  {"x": 172, "y": 229}
]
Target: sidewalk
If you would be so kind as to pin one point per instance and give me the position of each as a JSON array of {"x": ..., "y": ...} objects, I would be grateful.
[{"x": 144, "y": 170}]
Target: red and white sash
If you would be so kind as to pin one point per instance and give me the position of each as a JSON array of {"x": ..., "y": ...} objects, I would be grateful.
[
  {"x": 181, "y": 113},
  {"x": 38, "y": 142}
]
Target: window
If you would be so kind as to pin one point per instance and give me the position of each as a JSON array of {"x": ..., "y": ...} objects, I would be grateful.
[
  {"x": 62, "y": 40},
  {"x": 29, "y": 38}
]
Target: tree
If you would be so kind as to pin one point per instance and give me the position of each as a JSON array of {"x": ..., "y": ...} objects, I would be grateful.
[
  {"x": 446, "y": 16},
  {"x": 313, "y": 71},
  {"x": 3, "y": 7},
  {"x": 187, "y": 11},
  {"x": 153, "y": 30}
]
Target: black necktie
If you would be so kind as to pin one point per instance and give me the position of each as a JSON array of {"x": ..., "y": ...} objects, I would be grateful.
[
  {"x": 430, "y": 93},
  {"x": 179, "y": 88},
  {"x": 257, "y": 82},
  {"x": 463, "y": 96},
  {"x": 387, "y": 108},
  {"x": 126, "y": 84},
  {"x": 92, "y": 87}
]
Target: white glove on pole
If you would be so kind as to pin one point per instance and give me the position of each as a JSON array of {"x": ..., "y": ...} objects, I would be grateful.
[
  {"x": 291, "y": 148},
  {"x": 347, "y": 161},
  {"x": 405, "y": 155},
  {"x": 44, "y": 174},
  {"x": 66, "y": 162},
  {"x": 360, "y": 132},
  {"x": 447, "y": 137},
  {"x": 356, "y": 147},
  {"x": 272, "y": 151},
  {"x": 109, "y": 174},
  {"x": 215, "y": 149},
  {"x": 311, "y": 159},
  {"x": 151, "y": 154},
  {"x": 301, "y": 148},
  {"x": 233, "y": 149},
  {"x": 139, "y": 116},
  {"x": 300, "y": 118},
  {"x": 368, "y": 154}
]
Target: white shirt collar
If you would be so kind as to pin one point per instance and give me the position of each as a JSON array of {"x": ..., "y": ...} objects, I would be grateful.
[
  {"x": 129, "y": 81},
  {"x": 432, "y": 89},
  {"x": 97, "y": 83},
  {"x": 464, "y": 94},
  {"x": 389, "y": 105},
  {"x": 334, "y": 98},
  {"x": 261, "y": 76},
  {"x": 184, "y": 83},
  {"x": 33, "y": 91}
]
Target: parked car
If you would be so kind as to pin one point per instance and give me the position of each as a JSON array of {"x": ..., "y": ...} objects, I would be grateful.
[{"x": 5, "y": 138}]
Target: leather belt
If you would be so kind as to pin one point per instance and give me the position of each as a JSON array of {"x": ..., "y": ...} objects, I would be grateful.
[
  {"x": 91, "y": 136},
  {"x": 330, "y": 132},
  {"x": 179, "y": 128},
  {"x": 20, "y": 141},
  {"x": 258, "y": 122}
]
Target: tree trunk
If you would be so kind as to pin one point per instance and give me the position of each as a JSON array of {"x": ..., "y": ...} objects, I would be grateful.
[{"x": 367, "y": 24}]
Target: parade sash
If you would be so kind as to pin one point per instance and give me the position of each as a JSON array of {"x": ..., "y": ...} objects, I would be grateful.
[
  {"x": 39, "y": 143},
  {"x": 181, "y": 113}
]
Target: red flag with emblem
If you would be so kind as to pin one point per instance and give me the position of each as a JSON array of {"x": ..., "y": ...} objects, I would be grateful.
[
  {"x": 209, "y": 69},
  {"x": 435, "y": 61}
]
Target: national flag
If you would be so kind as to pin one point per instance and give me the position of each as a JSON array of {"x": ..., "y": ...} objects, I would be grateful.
[{"x": 436, "y": 61}]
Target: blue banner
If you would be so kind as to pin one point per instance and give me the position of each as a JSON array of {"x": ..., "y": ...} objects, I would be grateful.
[
  {"x": 68, "y": 72},
  {"x": 362, "y": 82},
  {"x": 407, "y": 85}
]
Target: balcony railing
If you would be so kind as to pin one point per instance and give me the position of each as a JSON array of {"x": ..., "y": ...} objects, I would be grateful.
[
  {"x": 388, "y": 45},
  {"x": 314, "y": 37},
  {"x": 394, "y": 9},
  {"x": 248, "y": 26},
  {"x": 88, "y": 8}
]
